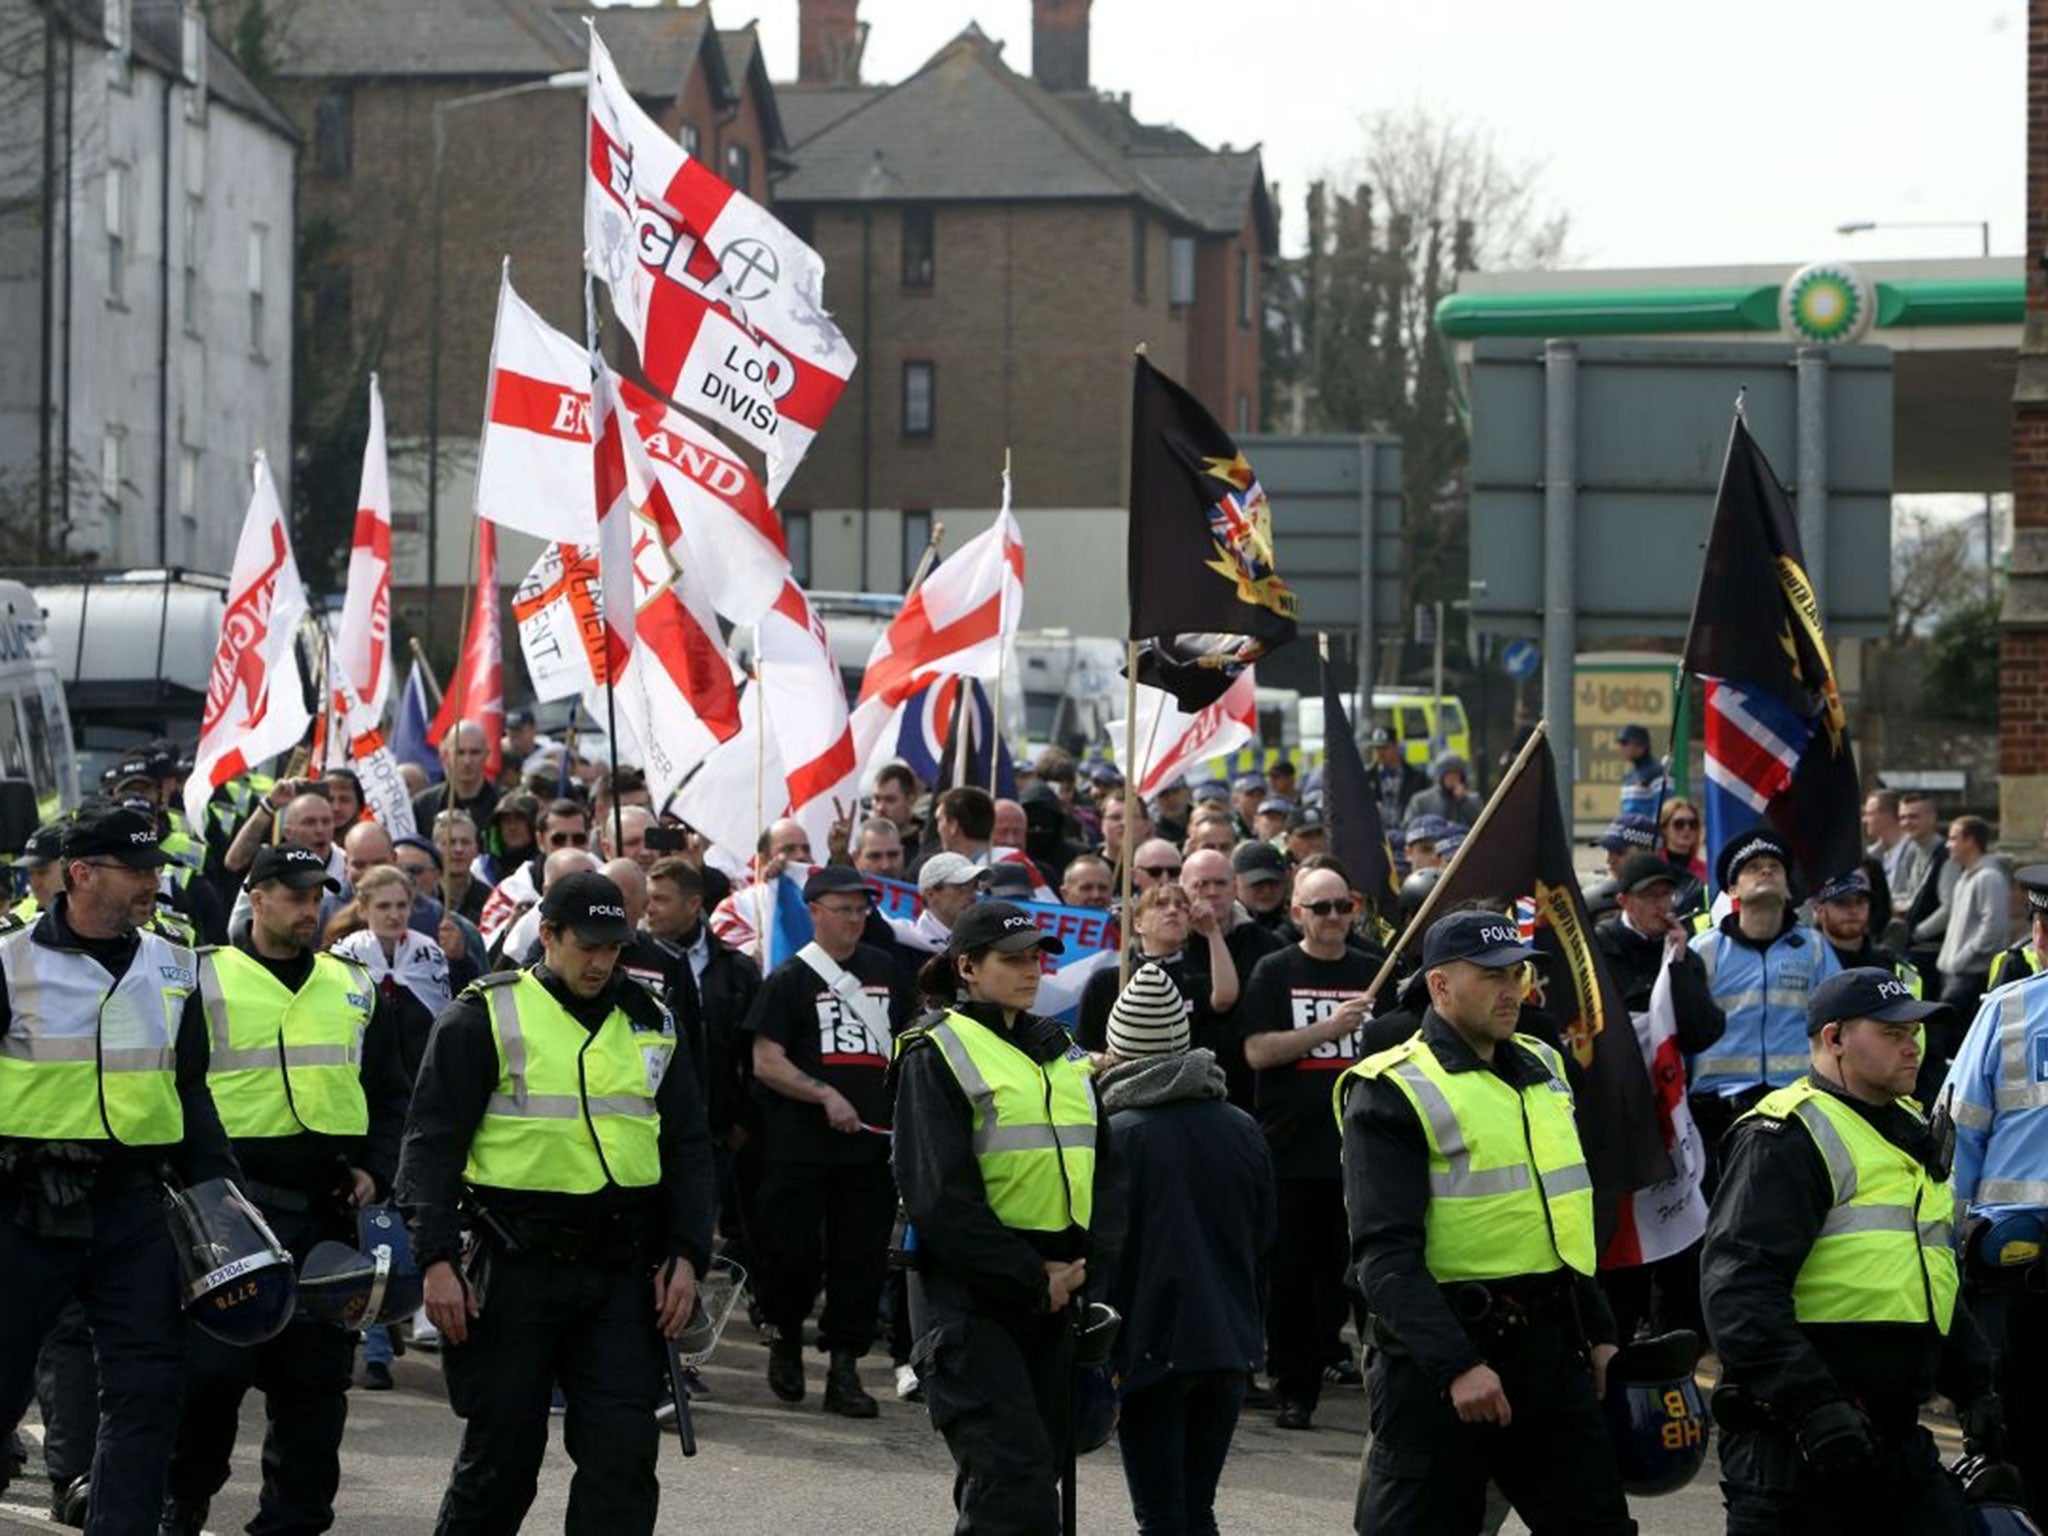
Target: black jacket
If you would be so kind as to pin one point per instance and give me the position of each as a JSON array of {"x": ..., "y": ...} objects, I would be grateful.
[
  {"x": 1199, "y": 1193},
  {"x": 1634, "y": 962},
  {"x": 204, "y": 1152},
  {"x": 455, "y": 1084},
  {"x": 959, "y": 1238},
  {"x": 721, "y": 998},
  {"x": 1386, "y": 1194},
  {"x": 1775, "y": 1193}
]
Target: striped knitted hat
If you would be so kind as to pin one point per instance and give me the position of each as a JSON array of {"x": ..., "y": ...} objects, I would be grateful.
[{"x": 1150, "y": 1017}]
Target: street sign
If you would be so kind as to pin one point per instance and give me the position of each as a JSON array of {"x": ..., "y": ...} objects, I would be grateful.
[
  {"x": 1611, "y": 689},
  {"x": 1520, "y": 658}
]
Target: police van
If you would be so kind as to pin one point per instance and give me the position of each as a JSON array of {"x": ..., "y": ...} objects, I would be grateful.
[{"x": 35, "y": 725}]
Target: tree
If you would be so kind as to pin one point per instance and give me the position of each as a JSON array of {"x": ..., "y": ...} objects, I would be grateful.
[
  {"x": 1962, "y": 669},
  {"x": 1934, "y": 572},
  {"x": 1351, "y": 329}
]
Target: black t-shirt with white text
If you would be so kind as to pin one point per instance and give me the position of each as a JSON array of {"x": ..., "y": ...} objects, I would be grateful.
[
  {"x": 1292, "y": 990},
  {"x": 827, "y": 1039}
]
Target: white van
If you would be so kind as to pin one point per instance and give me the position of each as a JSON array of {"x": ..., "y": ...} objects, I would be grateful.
[{"x": 35, "y": 725}]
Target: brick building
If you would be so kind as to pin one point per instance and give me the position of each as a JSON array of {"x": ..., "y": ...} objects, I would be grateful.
[
  {"x": 367, "y": 79},
  {"x": 2023, "y": 629},
  {"x": 997, "y": 243}
]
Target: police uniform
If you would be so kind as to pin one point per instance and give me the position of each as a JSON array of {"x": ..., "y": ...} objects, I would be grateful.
[
  {"x": 1830, "y": 1288},
  {"x": 1995, "y": 1092},
  {"x": 1471, "y": 1221},
  {"x": 103, "y": 1056},
  {"x": 306, "y": 1073},
  {"x": 2024, "y": 958},
  {"x": 570, "y": 1134},
  {"x": 1004, "y": 1164}
]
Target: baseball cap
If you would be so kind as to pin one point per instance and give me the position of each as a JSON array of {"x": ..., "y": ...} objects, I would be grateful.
[
  {"x": 1629, "y": 832},
  {"x": 1305, "y": 820},
  {"x": 515, "y": 718},
  {"x": 999, "y": 925},
  {"x": 1866, "y": 992},
  {"x": 1211, "y": 789},
  {"x": 1276, "y": 805},
  {"x": 943, "y": 869},
  {"x": 838, "y": 880},
  {"x": 1428, "y": 829},
  {"x": 293, "y": 865},
  {"x": 45, "y": 846},
  {"x": 1851, "y": 883},
  {"x": 1009, "y": 880},
  {"x": 1259, "y": 863},
  {"x": 2033, "y": 879},
  {"x": 591, "y": 906},
  {"x": 1383, "y": 736},
  {"x": 1452, "y": 840},
  {"x": 135, "y": 766},
  {"x": 1640, "y": 871},
  {"x": 1757, "y": 842},
  {"x": 1105, "y": 773},
  {"x": 125, "y": 833},
  {"x": 1246, "y": 783},
  {"x": 1632, "y": 733},
  {"x": 1484, "y": 938}
]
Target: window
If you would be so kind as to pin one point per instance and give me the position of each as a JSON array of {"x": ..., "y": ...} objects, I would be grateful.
[
  {"x": 192, "y": 47},
  {"x": 1138, "y": 255},
  {"x": 692, "y": 141},
  {"x": 917, "y": 533},
  {"x": 117, "y": 233},
  {"x": 114, "y": 28},
  {"x": 739, "y": 167},
  {"x": 920, "y": 260},
  {"x": 195, "y": 212},
  {"x": 796, "y": 532},
  {"x": 259, "y": 239},
  {"x": 1244, "y": 411},
  {"x": 334, "y": 134},
  {"x": 1244, "y": 289},
  {"x": 919, "y": 387},
  {"x": 113, "y": 451},
  {"x": 188, "y": 484},
  {"x": 1180, "y": 271}
]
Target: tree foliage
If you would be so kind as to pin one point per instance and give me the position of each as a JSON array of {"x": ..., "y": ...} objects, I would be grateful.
[
  {"x": 1962, "y": 669},
  {"x": 1935, "y": 571}
]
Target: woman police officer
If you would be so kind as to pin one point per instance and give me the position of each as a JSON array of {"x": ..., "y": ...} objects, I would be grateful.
[{"x": 1006, "y": 1176}]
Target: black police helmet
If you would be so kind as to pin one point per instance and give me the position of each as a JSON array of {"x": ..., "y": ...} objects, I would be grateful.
[
  {"x": 1656, "y": 1415},
  {"x": 238, "y": 1280},
  {"x": 373, "y": 1282},
  {"x": 1098, "y": 1384}
]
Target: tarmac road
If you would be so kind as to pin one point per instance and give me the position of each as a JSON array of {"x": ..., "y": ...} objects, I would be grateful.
[{"x": 765, "y": 1467}]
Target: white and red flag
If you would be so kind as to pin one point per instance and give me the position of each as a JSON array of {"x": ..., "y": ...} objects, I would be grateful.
[
  {"x": 672, "y": 679},
  {"x": 533, "y": 466},
  {"x": 558, "y": 610},
  {"x": 362, "y": 645},
  {"x": 1670, "y": 1216},
  {"x": 806, "y": 705},
  {"x": 360, "y": 745},
  {"x": 255, "y": 699},
  {"x": 477, "y": 689},
  {"x": 725, "y": 305},
  {"x": 1170, "y": 740},
  {"x": 957, "y": 623}
]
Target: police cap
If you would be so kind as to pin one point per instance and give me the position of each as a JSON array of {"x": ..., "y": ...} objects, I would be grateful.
[
  {"x": 1484, "y": 938},
  {"x": 292, "y": 865},
  {"x": 123, "y": 833},
  {"x": 1000, "y": 925},
  {"x": 2033, "y": 879},
  {"x": 1865, "y": 992},
  {"x": 589, "y": 905}
]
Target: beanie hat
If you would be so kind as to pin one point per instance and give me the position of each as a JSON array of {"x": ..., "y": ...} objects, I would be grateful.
[{"x": 1150, "y": 1017}]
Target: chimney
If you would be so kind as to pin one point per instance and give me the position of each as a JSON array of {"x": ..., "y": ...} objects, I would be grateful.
[
  {"x": 1059, "y": 44},
  {"x": 829, "y": 41}
]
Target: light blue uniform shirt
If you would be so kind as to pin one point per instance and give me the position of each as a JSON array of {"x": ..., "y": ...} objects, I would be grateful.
[
  {"x": 1763, "y": 993},
  {"x": 1997, "y": 1092}
]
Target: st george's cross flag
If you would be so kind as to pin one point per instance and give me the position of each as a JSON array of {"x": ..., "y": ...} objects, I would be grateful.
[
  {"x": 476, "y": 689},
  {"x": 362, "y": 643}
]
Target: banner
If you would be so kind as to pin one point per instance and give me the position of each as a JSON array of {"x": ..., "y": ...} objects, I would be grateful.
[
  {"x": 807, "y": 719},
  {"x": 1671, "y": 1215},
  {"x": 361, "y": 747},
  {"x": 561, "y": 631},
  {"x": 477, "y": 690},
  {"x": 362, "y": 644},
  {"x": 1171, "y": 739},
  {"x": 533, "y": 465}
]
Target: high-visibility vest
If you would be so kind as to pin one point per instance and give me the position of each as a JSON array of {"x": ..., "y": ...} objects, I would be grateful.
[
  {"x": 87, "y": 1057},
  {"x": 573, "y": 1108},
  {"x": 1509, "y": 1192},
  {"x": 1886, "y": 1251},
  {"x": 2013, "y": 964},
  {"x": 1033, "y": 1124},
  {"x": 283, "y": 1062}
]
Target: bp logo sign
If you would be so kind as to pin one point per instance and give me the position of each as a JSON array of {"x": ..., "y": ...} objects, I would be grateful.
[{"x": 1827, "y": 302}]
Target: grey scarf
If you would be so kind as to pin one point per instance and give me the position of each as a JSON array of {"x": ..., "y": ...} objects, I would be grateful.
[{"x": 1150, "y": 1080}]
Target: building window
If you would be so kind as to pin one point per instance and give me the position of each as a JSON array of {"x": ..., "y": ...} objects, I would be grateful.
[
  {"x": 1244, "y": 411},
  {"x": 259, "y": 240},
  {"x": 117, "y": 233},
  {"x": 113, "y": 453},
  {"x": 192, "y": 46},
  {"x": 188, "y": 484},
  {"x": 1180, "y": 271},
  {"x": 195, "y": 213},
  {"x": 334, "y": 134},
  {"x": 920, "y": 258},
  {"x": 1138, "y": 255},
  {"x": 739, "y": 167},
  {"x": 1244, "y": 289},
  {"x": 114, "y": 28},
  {"x": 919, "y": 388},
  {"x": 917, "y": 533},
  {"x": 692, "y": 141},
  {"x": 796, "y": 533}
]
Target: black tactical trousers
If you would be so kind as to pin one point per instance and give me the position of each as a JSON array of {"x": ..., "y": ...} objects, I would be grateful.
[{"x": 1903, "y": 1491}]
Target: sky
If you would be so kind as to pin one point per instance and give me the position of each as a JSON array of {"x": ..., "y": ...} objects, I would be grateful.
[{"x": 1670, "y": 135}]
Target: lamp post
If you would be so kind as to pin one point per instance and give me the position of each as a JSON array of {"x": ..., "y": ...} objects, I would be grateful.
[
  {"x": 1865, "y": 226},
  {"x": 567, "y": 80}
]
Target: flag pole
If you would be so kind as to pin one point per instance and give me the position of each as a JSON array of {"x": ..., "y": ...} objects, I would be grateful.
[
  {"x": 760, "y": 805},
  {"x": 419, "y": 659},
  {"x": 1420, "y": 921},
  {"x": 1131, "y": 778},
  {"x": 996, "y": 704},
  {"x": 926, "y": 560}
]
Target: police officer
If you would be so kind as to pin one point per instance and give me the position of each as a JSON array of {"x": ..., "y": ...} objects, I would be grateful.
[
  {"x": 1994, "y": 1092},
  {"x": 1471, "y": 1217},
  {"x": 42, "y": 862},
  {"x": 306, "y": 1072},
  {"x": 2024, "y": 958},
  {"x": 555, "y": 1111},
  {"x": 1841, "y": 910},
  {"x": 103, "y": 1055},
  {"x": 1761, "y": 965},
  {"x": 1829, "y": 1284},
  {"x": 1009, "y": 1186}
]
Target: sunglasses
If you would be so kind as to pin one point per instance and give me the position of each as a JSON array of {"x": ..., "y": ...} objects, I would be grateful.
[
  {"x": 1685, "y": 821},
  {"x": 568, "y": 839},
  {"x": 1160, "y": 871},
  {"x": 1330, "y": 908}
]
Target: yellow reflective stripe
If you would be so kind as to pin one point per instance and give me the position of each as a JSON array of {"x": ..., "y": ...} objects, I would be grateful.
[
  {"x": 979, "y": 1094},
  {"x": 512, "y": 1041},
  {"x": 215, "y": 1003},
  {"x": 1937, "y": 1234},
  {"x": 47, "y": 1048},
  {"x": 1867, "y": 1218}
]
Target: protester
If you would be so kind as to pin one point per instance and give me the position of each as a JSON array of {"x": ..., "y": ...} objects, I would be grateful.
[
  {"x": 1088, "y": 881},
  {"x": 1979, "y": 926},
  {"x": 465, "y": 786},
  {"x": 1926, "y": 885},
  {"x": 1160, "y": 927},
  {"x": 1261, "y": 871},
  {"x": 1450, "y": 794},
  {"x": 1155, "y": 862},
  {"x": 1886, "y": 834}
]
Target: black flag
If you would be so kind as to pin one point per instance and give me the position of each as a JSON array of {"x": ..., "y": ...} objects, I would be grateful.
[
  {"x": 1777, "y": 738},
  {"x": 1204, "y": 592},
  {"x": 1351, "y": 811},
  {"x": 1522, "y": 858}
]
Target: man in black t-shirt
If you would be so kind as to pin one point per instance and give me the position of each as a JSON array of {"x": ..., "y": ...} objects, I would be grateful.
[
  {"x": 823, "y": 1027},
  {"x": 1301, "y": 1013}
]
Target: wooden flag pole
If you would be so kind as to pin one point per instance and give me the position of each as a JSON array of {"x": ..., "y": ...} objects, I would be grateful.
[
  {"x": 1420, "y": 921},
  {"x": 760, "y": 803},
  {"x": 1123, "y": 976},
  {"x": 995, "y": 745},
  {"x": 419, "y": 659}
]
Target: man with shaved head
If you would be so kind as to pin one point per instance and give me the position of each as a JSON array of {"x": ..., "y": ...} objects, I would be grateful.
[
  {"x": 1211, "y": 885},
  {"x": 467, "y": 788},
  {"x": 634, "y": 820},
  {"x": 1156, "y": 862}
]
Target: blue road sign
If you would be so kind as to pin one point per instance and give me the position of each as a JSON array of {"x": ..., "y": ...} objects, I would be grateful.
[{"x": 1521, "y": 658}]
